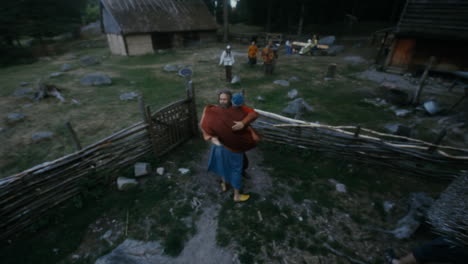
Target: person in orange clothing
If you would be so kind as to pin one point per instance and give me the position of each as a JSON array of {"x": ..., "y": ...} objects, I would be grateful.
[
  {"x": 252, "y": 53},
  {"x": 268, "y": 57}
]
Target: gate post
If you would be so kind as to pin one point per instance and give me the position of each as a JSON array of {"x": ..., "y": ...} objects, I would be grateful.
[
  {"x": 146, "y": 114},
  {"x": 192, "y": 106}
]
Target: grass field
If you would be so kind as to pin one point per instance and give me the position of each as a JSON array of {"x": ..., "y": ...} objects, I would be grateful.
[{"x": 301, "y": 212}]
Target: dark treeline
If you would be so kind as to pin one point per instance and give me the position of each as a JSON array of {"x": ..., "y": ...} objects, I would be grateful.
[{"x": 285, "y": 15}]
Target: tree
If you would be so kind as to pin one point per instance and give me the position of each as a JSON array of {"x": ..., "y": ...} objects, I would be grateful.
[{"x": 226, "y": 20}]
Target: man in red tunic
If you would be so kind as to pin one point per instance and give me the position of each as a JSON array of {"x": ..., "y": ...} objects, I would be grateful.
[{"x": 227, "y": 127}]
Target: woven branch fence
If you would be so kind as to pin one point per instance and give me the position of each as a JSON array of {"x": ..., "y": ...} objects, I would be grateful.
[
  {"x": 28, "y": 195},
  {"x": 406, "y": 155}
]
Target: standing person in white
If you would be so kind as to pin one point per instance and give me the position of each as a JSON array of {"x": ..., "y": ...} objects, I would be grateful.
[{"x": 227, "y": 59}]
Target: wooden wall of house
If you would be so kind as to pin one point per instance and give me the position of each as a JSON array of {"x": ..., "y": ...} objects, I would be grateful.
[
  {"x": 116, "y": 44},
  {"x": 414, "y": 53},
  {"x": 139, "y": 44},
  {"x": 207, "y": 36}
]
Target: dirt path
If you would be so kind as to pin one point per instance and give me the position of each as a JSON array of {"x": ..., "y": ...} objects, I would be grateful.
[{"x": 202, "y": 247}]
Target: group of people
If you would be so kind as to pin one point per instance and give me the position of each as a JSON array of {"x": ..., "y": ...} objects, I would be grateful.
[{"x": 269, "y": 55}]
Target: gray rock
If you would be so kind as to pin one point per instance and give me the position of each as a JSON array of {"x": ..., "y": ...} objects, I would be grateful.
[
  {"x": 142, "y": 169},
  {"x": 335, "y": 49},
  {"x": 419, "y": 204},
  {"x": 170, "y": 68},
  {"x": 327, "y": 40},
  {"x": 379, "y": 102},
  {"x": 235, "y": 79},
  {"x": 398, "y": 129},
  {"x": 136, "y": 252},
  {"x": 432, "y": 107},
  {"x": 282, "y": 83},
  {"x": 401, "y": 112},
  {"x": 15, "y": 117},
  {"x": 388, "y": 85},
  {"x": 55, "y": 74},
  {"x": 388, "y": 206},
  {"x": 354, "y": 59},
  {"x": 2, "y": 129},
  {"x": 260, "y": 98},
  {"x": 23, "y": 83},
  {"x": 74, "y": 101},
  {"x": 294, "y": 79},
  {"x": 297, "y": 107},
  {"x": 126, "y": 183},
  {"x": 184, "y": 171},
  {"x": 89, "y": 61},
  {"x": 379, "y": 77},
  {"x": 339, "y": 187},
  {"x": 160, "y": 171},
  {"x": 96, "y": 79},
  {"x": 36, "y": 137},
  {"x": 292, "y": 94},
  {"x": 185, "y": 72},
  {"x": 26, "y": 92},
  {"x": 66, "y": 67},
  {"x": 128, "y": 96}
]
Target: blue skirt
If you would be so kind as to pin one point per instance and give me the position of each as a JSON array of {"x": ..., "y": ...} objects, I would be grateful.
[{"x": 227, "y": 165}]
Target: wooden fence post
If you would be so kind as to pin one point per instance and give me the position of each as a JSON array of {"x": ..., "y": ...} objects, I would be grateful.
[
  {"x": 193, "y": 106},
  {"x": 423, "y": 79},
  {"x": 73, "y": 135},
  {"x": 146, "y": 115}
]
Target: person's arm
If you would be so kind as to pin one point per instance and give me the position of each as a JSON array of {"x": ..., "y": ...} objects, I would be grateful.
[
  {"x": 249, "y": 118},
  {"x": 214, "y": 139},
  {"x": 221, "y": 59}
]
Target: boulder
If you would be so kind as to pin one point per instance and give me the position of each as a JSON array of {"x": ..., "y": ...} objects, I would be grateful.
[
  {"x": 136, "y": 252},
  {"x": 27, "y": 92},
  {"x": 142, "y": 169},
  {"x": 297, "y": 107},
  {"x": 292, "y": 94},
  {"x": 260, "y": 98},
  {"x": 378, "y": 102},
  {"x": 339, "y": 187},
  {"x": 432, "y": 107},
  {"x": 128, "y": 96},
  {"x": 398, "y": 129},
  {"x": 235, "y": 79},
  {"x": 39, "y": 136},
  {"x": 55, "y": 74},
  {"x": 294, "y": 79},
  {"x": 184, "y": 171},
  {"x": 282, "y": 83},
  {"x": 96, "y": 79},
  {"x": 170, "y": 68},
  {"x": 327, "y": 40},
  {"x": 160, "y": 171},
  {"x": 88, "y": 61},
  {"x": 15, "y": 117},
  {"x": 66, "y": 67},
  {"x": 419, "y": 204},
  {"x": 388, "y": 206},
  {"x": 401, "y": 112},
  {"x": 126, "y": 183}
]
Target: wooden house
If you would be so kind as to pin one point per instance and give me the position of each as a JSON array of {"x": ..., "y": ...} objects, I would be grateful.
[
  {"x": 135, "y": 27},
  {"x": 428, "y": 28}
]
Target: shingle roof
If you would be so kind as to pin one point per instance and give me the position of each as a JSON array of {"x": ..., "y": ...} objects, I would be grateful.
[
  {"x": 139, "y": 16},
  {"x": 444, "y": 18}
]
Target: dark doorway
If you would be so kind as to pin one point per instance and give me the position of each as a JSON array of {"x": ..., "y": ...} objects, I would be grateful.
[
  {"x": 191, "y": 39},
  {"x": 161, "y": 40}
]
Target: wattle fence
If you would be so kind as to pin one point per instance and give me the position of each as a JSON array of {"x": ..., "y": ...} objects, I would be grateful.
[{"x": 28, "y": 195}]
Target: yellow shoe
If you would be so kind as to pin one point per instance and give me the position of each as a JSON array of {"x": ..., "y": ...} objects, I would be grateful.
[
  {"x": 223, "y": 186},
  {"x": 242, "y": 198}
]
